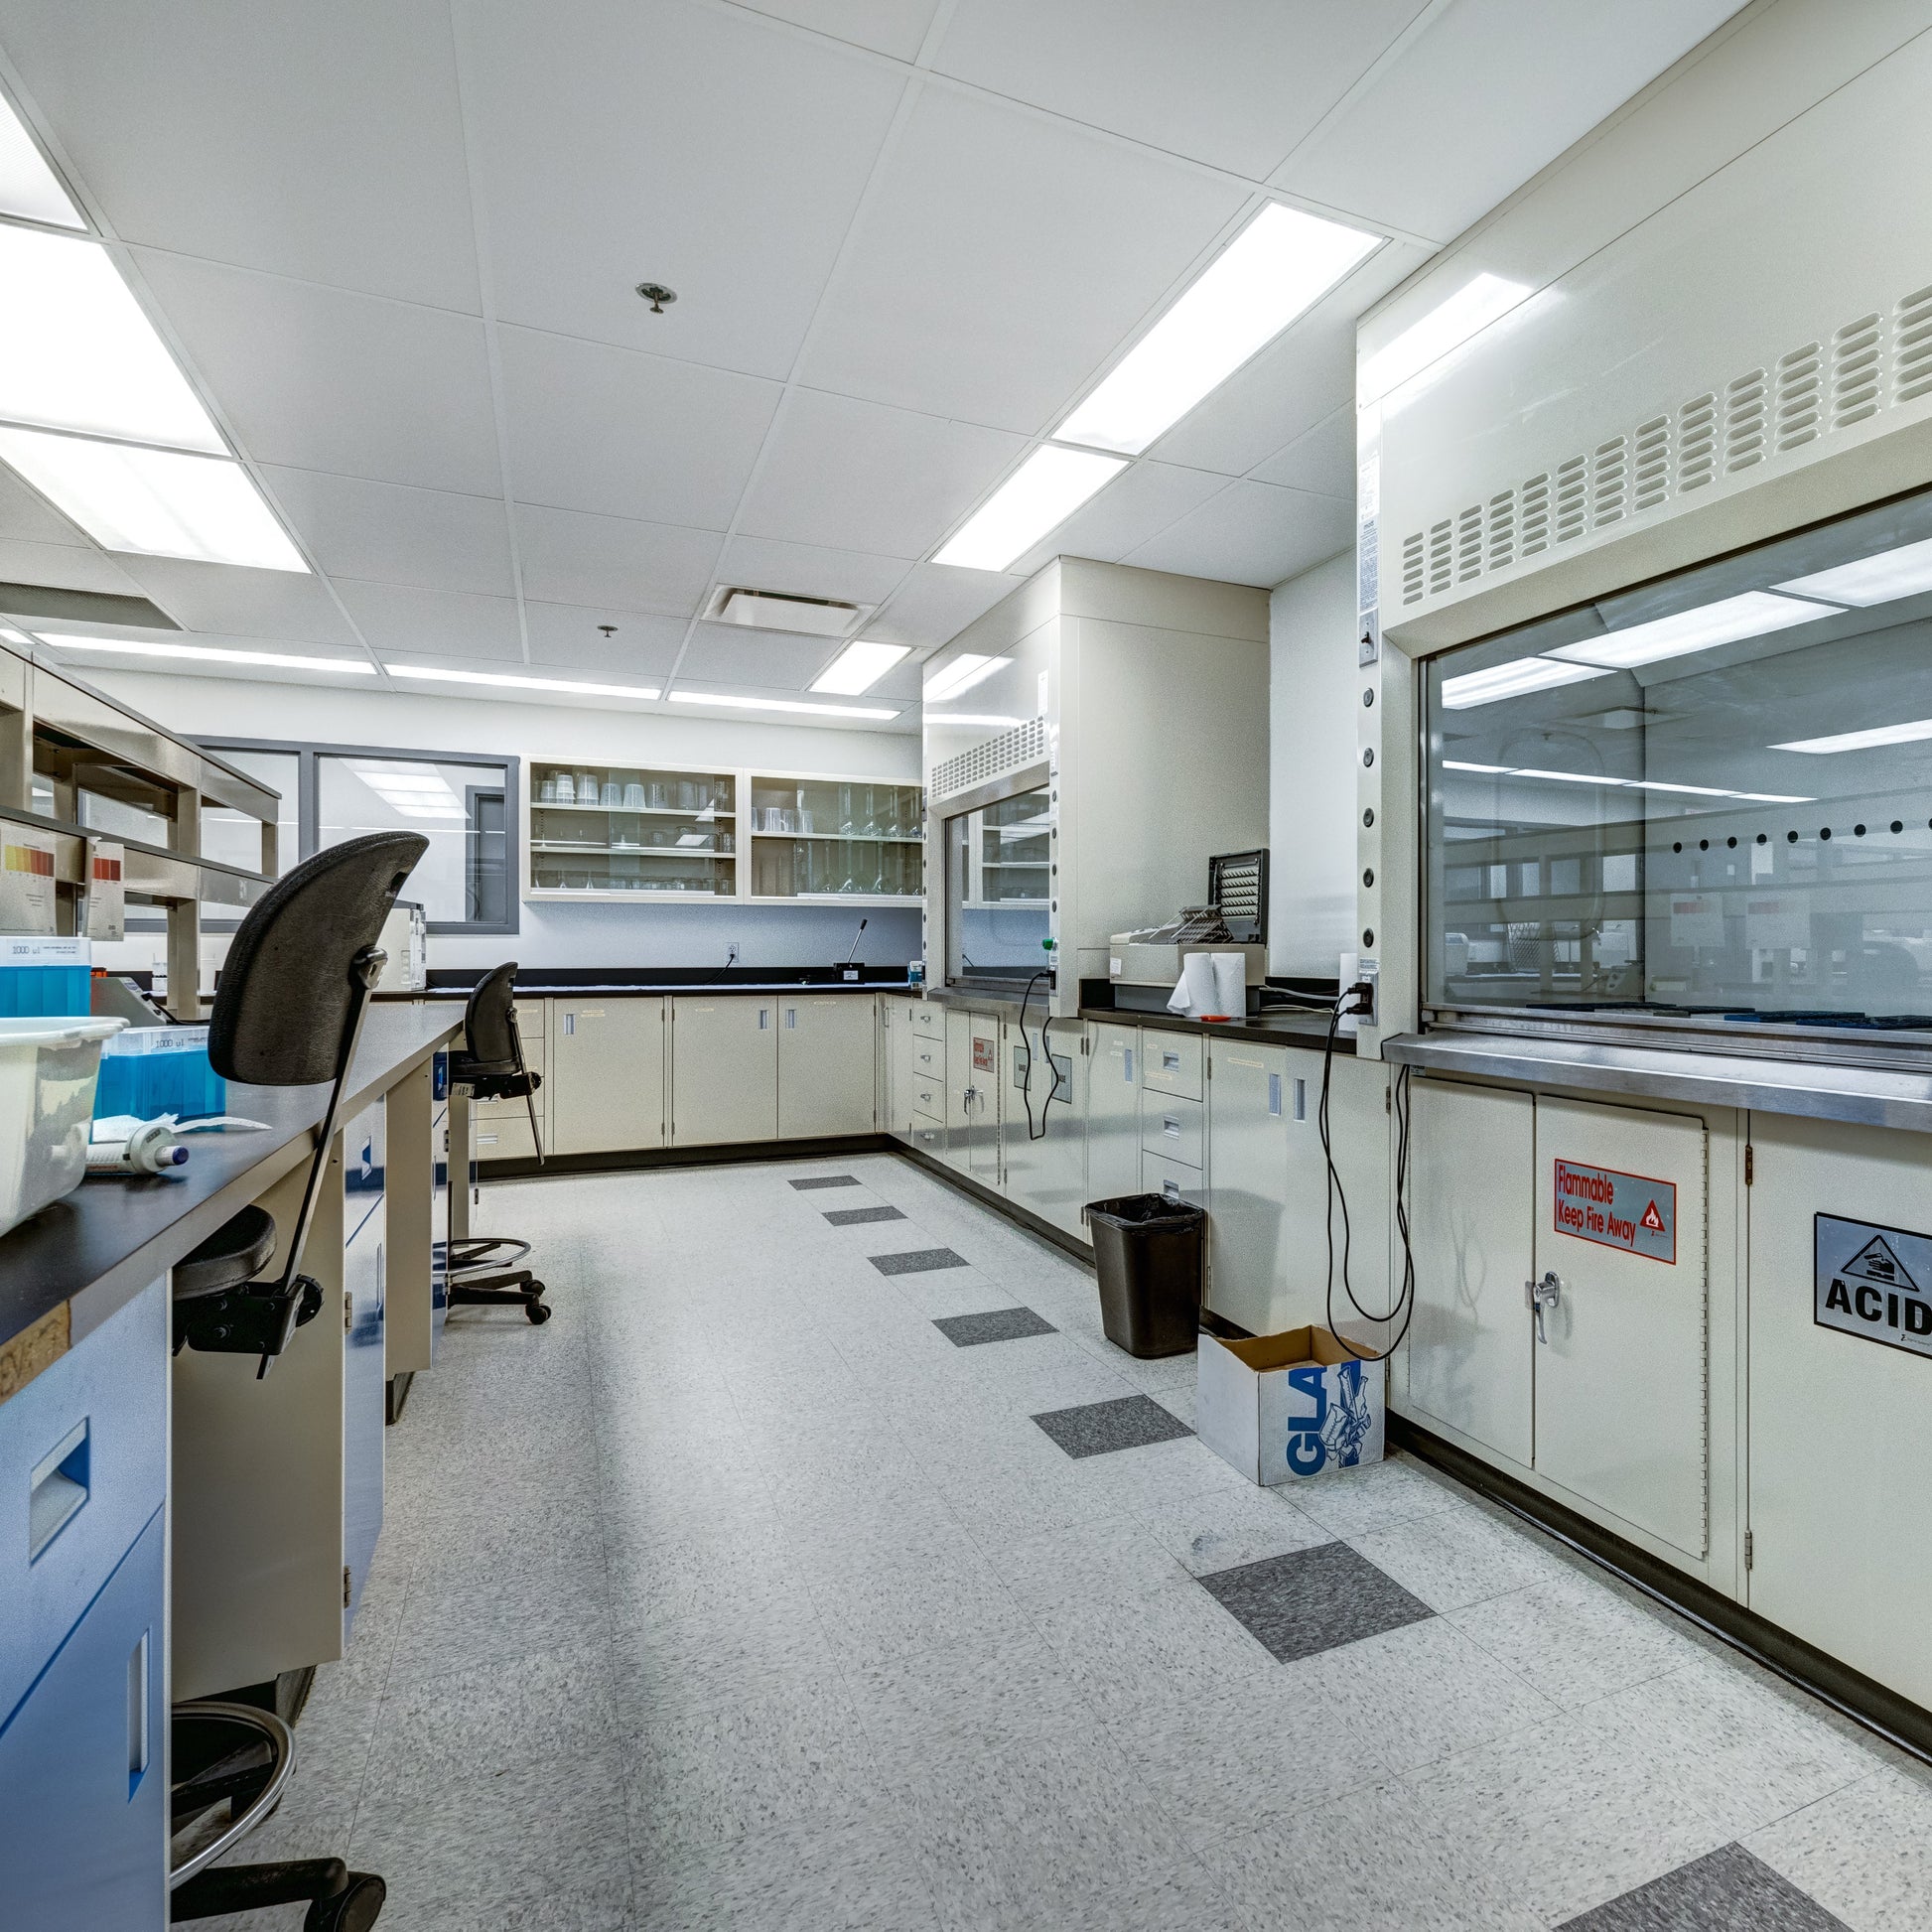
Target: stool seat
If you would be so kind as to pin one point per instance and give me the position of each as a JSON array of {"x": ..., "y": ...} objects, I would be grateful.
[{"x": 236, "y": 1252}]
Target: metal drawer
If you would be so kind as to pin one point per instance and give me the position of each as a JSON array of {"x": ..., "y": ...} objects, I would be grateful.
[
  {"x": 928, "y": 1019},
  {"x": 929, "y": 1099},
  {"x": 930, "y": 1060},
  {"x": 929, "y": 1138},
  {"x": 1173, "y": 1178},
  {"x": 83, "y": 1465},
  {"x": 1171, "y": 1062},
  {"x": 1171, "y": 1128}
]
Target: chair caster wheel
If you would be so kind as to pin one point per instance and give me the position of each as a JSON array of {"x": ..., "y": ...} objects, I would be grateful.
[
  {"x": 539, "y": 1313},
  {"x": 355, "y": 1909}
]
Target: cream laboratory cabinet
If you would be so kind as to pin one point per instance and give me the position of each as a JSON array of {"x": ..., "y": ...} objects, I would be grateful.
[{"x": 653, "y": 833}]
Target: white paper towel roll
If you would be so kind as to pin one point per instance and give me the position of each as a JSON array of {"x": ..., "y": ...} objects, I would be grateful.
[
  {"x": 1230, "y": 984},
  {"x": 1194, "y": 991}
]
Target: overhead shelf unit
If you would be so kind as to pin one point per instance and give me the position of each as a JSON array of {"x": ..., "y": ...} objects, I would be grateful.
[
  {"x": 103, "y": 798},
  {"x": 659, "y": 832}
]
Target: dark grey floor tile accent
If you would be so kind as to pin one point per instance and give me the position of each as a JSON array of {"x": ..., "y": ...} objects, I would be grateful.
[
  {"x": 846, "y": 1217},
  {"x": 996, "y": 1325},
  {"x": 1097, "y": 1428},
  {"x": 826, "y": 1180},
  {"x": 1314, "y": 1599},
  {"x": 1722, "y": 1891},
  {"x": 917, "y": 1261}
]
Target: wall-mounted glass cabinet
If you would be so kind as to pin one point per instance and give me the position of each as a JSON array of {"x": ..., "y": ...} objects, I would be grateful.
[{"x": 657, "y": 832}]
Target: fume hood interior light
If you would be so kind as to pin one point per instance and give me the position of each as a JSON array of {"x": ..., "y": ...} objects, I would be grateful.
[
  {"x": 1915, "y": 732},
  {"x": 1447, "y": 326},
  {"x": 1891, "y": 574},
  {"x": 859, "y": 666},
  {"x": 509, "y": 681},
  {"x": 1038, "y": 497},
  {"x": 77, "y": 352},
  {"x": 959, "y": 674},
  {"x": 157, "y": 503},
  {"x": 735, "y": 703},
  {"x": 205, "y": 655},
  {"x": 1729, "y": 619},
  {"x": 1624, "y": 784},
  {"x": 1271, "y": 274},
  {"x": 1512, "y": 681},
  {"x": 29, "y": 188}
]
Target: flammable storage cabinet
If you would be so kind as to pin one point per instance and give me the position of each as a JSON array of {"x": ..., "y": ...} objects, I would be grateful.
[
  {"x": 83, "y": 1639},
  {"x": 1111, "y": 734},
  {"x": 1044, "y": 1116},
  {"x": 606, "y": 1061},
  {"x": 972, "y": 1093}
]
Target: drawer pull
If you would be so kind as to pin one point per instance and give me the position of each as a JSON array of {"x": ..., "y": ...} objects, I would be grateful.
[
  {"x": 1170, "y": 1189},
  {"x": 1128, "y": 1057},
  {"x": 56, "y": 1489},
  {"x": 137, "y": 1712},
  {"x": 1170, "y": 1127},
  {"x": 1273, "y": 1096},
  {"x": 1169, "y": 1062}
]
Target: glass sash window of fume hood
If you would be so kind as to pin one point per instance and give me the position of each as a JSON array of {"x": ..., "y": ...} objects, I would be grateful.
[
  {"x": 1708, "y": 798},
  {"x": 999, "y": 889}
]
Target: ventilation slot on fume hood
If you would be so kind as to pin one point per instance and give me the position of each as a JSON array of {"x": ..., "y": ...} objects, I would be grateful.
[
  {"x": 1468, "y": 544},
  {"x": 1414, "y": 576},
  {"x": 1012, "y": 750},
  {"x": 1536, "y": 515},
  {"x": 1744, "y": 421},
  {"x": 1441, "y": 557},
  {"x": 1573, "y": 499},
  {"x": 1652, "y": 463},
  {"x": 1912, "y": 347},
  {"x": 1609, "y": 475},
  {"x": 1697, "y": 442},
  {"x": 1502, "y": 529},
  {"x": 1858, "y": 369},
  {"x": 1795, "y": 411}
]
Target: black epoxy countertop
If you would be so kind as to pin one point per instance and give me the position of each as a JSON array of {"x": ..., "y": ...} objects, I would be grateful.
[
  {"x": 105, "y": 1242},
  {"x": 1275, "y": 1028},
  {"x": 539, "y": 981}
]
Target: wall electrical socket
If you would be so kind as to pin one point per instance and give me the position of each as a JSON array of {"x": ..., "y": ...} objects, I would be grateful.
[{"x": 1370, "y": 975}]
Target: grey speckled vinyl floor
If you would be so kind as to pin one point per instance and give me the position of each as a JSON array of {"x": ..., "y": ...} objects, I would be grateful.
[{"x": 739, "y": 1596}]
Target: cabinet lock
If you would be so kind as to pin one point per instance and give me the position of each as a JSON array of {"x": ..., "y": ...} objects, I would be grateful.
[{"x": 1542, "y": 1294}]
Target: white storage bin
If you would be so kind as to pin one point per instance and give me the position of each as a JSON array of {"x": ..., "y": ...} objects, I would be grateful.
[{"x": 48, "y": 1071}]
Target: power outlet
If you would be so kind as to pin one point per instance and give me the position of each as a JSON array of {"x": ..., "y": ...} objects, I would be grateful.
[{"x": 1370, "y": 975}]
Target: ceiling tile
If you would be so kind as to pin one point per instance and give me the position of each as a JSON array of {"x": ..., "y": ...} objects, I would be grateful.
[
  {"x": 1321, "y": 459},
  {"x": 854, "y": 475},
  {"x": 688, "y": 145},
  {"x": 1302, "y": 377},
  {"x": 394, "y": 618},
  {"x": 936, "y": 602},
  {"x": 1003, "y": 258},
  {"x": 324, "y": 142},
  {"x": 569, "y": 558},
  {"x": 808, "y": 570},
  {"x": 619, "y": 434},
  {"x": 1138, "y": 504},
  {"x": 63, "y": 566},
  {"x": 319, "y": 379},
  {"x": 565, "y": 636},
  {"x": 231, "y": 601},
  {"x": 722, "y": 653},
  {"x": 894, "y": 26},
  {"x": 25, "y": 517},
  {"x": 1251, "y": 533},
  {"x": 429, "y": 538},
  {"x": 1425, "y": 146},
  {"x": 1233, "y": 83}
]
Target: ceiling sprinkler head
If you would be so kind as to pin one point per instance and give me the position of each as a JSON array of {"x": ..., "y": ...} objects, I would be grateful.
[
  {"x": 656, "y": 294},
  {"x": 608, "y": 629}
]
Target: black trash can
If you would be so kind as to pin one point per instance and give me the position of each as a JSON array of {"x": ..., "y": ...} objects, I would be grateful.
[{"x": 1148, "y": 1252}]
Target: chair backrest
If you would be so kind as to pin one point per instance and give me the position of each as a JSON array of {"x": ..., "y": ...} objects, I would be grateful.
[
  {"x": 490, "y": 1020},
  {"x": 282, "y": 1009}
]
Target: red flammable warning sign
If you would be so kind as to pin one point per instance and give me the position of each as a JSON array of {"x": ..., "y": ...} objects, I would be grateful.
[{"x": 1631, "y": 1211}]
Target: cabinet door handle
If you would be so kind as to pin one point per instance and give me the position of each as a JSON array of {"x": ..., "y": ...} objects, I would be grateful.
[
  {"x": 1170, "y": 1127},
  {"x": 1542, "y": 1294},
  {"x": 1169, "y": 1062},
  {"x": 570, "y": 1022},
  {"x": 58, "y": 1488},
  {"x": 792, "y": 1016},
  {"x": 1128, "y": 1058},
  {"x": 1273, "y": 1096},
  {"x": 764, "y": 1017},
  {"x": 137, "y": 1712}
]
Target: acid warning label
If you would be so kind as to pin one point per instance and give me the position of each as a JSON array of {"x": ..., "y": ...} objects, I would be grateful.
[
  {"x": 1618, "y": 1210},
  {"x": 1874, "y": 1281}
]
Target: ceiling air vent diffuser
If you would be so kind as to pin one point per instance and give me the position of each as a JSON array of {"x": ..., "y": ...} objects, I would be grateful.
[{"x": 812, "y": 617}]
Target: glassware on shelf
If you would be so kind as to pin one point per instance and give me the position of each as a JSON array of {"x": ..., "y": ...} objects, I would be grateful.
[
  {"x": 659, "y": 795},
  {"x": 633, "y": 797},
  {"x": 547, "y": 791},
  {"x": 845, "y": 811},
  {"x": 566, "y": 789},
  {"x": 687, "y": 796},
  {"x": 586, "y": 788},
  {"x": 612, "y": 794},
  {"x": 870, "y": 812}
]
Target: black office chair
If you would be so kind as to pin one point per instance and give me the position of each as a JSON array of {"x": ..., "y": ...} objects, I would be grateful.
[
  {"x": 483, "y": 1270},
  {"x": 288, "y": 1012}
]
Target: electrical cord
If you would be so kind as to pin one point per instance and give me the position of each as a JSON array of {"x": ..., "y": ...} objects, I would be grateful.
[
  {"x": 1038, "y": 1132},
  {"x": 1403, "y": 1308}
]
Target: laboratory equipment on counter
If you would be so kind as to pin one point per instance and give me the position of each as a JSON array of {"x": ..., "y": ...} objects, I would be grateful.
[
  {"x": 139, "y": 1146},
  {"x": 48, "y": 1069},
  {"x": 405, "y": 938},
  {"x": 1145, "y": 966}
]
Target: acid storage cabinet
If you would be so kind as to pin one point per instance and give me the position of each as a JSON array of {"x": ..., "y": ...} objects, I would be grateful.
[{"x": 1147, "y": 1250}]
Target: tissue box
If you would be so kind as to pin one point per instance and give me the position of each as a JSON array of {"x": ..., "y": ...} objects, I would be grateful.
[
  {"x": 151, "y": 1070},
  {"x": 46, "y": 978},
  {"x": 1290, "y": 1404}
]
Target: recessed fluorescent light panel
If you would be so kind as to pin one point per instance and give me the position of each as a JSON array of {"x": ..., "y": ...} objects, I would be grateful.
[
  {"x": 201, "y": 654},
  {"x": 1272, "y": 273},
  {"x": 780, "y": 704},
  {"x": 77, "y": 352},
  {"x": 1038, "y": 497},
  {"x": 1460, "y": 319},
  {"x": 1512, "y": 681},
  {"x": 507, "y": 681},
  {"x": 1911, "y": 732},
  {"x": 1731, "y": 618},
  {"x": 1622, "y": 785},
  {"x": 159, "y": 503},
  {"x": 29, "y": 188},
  {"x": 1891, "y": 574},
  {"x": 989, "y": 720},
  {"x": 859, "y": 666},
  {"x": 959, "y": 674}
]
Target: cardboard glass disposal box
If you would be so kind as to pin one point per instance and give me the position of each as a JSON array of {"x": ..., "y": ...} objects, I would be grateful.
[{"x": 1287, "y": 1405}]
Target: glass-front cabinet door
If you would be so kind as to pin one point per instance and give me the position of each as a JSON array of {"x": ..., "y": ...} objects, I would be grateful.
[
  {"x": 623, "y": 831},
  {"x": 835, "y": 838}
]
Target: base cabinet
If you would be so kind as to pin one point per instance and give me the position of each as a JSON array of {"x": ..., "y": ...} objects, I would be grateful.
[
  {"x": 826, "y": 1045},
  {"x": 607, "y": 1075},
  {"x": 1043, "y": 1130},
  {"x": 1113, "y": 1111},
  {"x": 723, "y": 1070}
]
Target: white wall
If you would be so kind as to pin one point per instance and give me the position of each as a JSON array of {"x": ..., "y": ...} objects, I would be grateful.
[
  {"x": 552, "y": 932},
  {"x": 1311, "y": 695}
]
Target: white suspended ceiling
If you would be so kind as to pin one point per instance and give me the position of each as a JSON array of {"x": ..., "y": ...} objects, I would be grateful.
[{"x": 395, "y": 243}]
